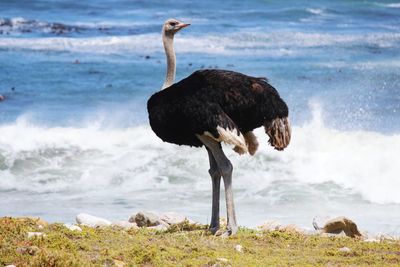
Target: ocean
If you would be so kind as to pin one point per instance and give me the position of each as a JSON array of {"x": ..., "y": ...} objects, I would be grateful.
[{"x": 74, "y": 132}]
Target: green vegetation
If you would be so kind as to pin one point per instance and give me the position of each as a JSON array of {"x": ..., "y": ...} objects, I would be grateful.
[{"x": 181, "y": 245}]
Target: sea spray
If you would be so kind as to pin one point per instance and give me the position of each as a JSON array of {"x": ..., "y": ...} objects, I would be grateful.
[{"x": 132, "y": 164}]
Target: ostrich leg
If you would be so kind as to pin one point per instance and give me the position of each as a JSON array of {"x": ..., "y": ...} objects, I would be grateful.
[
  {"x": 225, "y": 168},
  {"x": 216, "y": 184}
]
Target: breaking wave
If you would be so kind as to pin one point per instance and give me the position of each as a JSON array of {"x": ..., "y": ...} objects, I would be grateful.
[
  {"x": 392, "y": 5},
  {"x": 19, "y": 26},
  {"x": 315, "y": 11},
  {"x": 61, "y": 159},
  {"x": 277, "y": 43}
]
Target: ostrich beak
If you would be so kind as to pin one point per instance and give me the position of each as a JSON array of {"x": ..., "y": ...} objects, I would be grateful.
[{"x": 183, "y": 25}]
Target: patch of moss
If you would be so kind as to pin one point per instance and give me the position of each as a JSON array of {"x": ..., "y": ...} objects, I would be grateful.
[
  {"x": 184, "y": 244},
  {"x": 186, "y": 226}
]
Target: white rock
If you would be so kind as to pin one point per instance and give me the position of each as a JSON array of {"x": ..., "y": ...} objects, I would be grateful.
[
  {"x": 73, "y": 227},
  {"x": 173, "y": 218},
  {"x": 342, "y": 234},
  {"x": 33, "y": 234},
  {"x": 160, "y": 227},
  {"x": 10, "y": 265},
  {"x": 145, "y": 219},
  {"x": 91, "y": 221},
  {"x": 344, "y": 249},
  {"x": 371, "y": 240},
  {"x": 239, "y": 248},
  {"x": 386, "y": 237},
  {"x": 125, "y": 225},
  {"x": 222, "y": 259}
]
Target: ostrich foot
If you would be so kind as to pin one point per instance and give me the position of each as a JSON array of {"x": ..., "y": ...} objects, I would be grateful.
[
  {"x": 214, "y": 230},
  {"x": 226, "y": 233}
]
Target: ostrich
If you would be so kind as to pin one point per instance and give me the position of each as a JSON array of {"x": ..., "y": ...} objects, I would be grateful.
[{"x": 213, "y": 106}]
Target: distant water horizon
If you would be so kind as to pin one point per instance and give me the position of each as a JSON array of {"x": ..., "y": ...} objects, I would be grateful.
[{"x": 74, "y": 133}]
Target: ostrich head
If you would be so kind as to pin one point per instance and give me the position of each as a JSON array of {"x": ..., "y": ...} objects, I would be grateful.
[{"x": 172, "y": 26}]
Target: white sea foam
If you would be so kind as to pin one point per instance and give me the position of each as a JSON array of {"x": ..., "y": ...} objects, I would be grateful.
[
  {"x": 366, "y": 65},
  {"x": 236, "y": 43},
  {"x": 315, "y": 11},
  {"x": 392, "y": 5},
  {"x": 116, "y": 171},
  {"x": 38, "y": 159}
]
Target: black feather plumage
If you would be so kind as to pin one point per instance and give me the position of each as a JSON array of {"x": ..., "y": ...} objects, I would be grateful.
[{"x": 210, "y": 98}]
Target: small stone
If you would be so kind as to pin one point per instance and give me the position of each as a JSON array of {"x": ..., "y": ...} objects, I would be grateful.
[
  {"x": 91, "y": 221},
  {"x": 73, "y": 227},
  {"x": 239, "y": 248},
  {"x": 145, "y": 219},
  {"x": 383, "y": 237},
  {"x": 125, "y": 225},
  {"x": 344, "y": 249},
  {"x": 371, "y": 240},
  {"x": 341, "y": 234},
  {"x": 33, "y": 234},
  {"x": 2, "y": 97},
  {"x": 31, "y": 250},
  {"x": 173, "y": 218}
]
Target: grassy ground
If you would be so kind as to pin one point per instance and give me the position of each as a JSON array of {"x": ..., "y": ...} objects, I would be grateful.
[{"x": 182, "y": 245}]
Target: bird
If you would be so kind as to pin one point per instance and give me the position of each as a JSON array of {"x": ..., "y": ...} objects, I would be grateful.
[{"x": 213, "y": 106}]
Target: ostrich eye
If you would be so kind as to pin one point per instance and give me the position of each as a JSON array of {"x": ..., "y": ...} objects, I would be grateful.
[{"x": 172, "y": 23}]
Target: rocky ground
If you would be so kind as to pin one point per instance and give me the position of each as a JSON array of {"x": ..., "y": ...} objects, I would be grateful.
[{"x": 170, "y": 239}]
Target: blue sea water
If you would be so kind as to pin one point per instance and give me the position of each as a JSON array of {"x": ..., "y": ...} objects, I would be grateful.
[{"x": 74, "y": 132}]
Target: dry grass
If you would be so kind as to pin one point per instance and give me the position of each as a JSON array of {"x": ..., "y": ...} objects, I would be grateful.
[{"x": 182, "y": 245}]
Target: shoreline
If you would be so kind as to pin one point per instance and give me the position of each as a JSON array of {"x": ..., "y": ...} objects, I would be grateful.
[
  {"x": 34, "y": 242},
  {"x": 270, "y": 223}
]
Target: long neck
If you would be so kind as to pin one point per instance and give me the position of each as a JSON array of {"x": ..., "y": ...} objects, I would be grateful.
[{"x": 168, "y": 41}]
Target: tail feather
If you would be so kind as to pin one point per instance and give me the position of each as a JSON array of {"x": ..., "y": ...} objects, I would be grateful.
[{"x": 279, "y": 132}]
